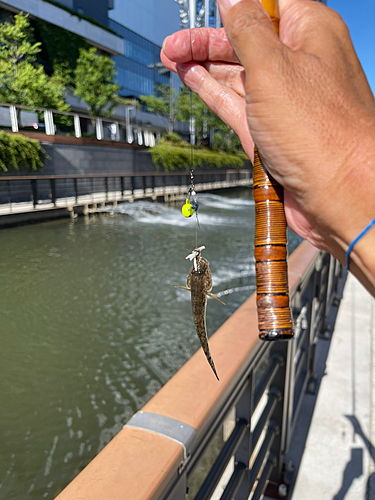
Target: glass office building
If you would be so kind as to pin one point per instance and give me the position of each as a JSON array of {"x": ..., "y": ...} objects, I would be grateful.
[{"x": 139, "y": 70}]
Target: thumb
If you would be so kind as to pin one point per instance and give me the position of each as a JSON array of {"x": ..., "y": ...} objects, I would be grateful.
[{"x": 250, "y": 32}]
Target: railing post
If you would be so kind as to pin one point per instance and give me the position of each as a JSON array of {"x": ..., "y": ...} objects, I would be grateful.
[
  {"x": 139, "y": 137},
  {"x": 244, "y": 410},
  {"x": 99, "y": 129},
  {"x": 9, "y": 195},
  {"x": 53, "y": 190},
  {"x": 34, "y": 191},
  {"x": 75, "y": 189},
  {"x": 77, "y": 126},
  {"x": 48, "y": 122},
  {"x": 281, "y": 417},
  {"x": 129, "y": 134},
  {"x": 117, "y": 132},
  {"x": 106, "y": 187},
  {"x": 13, "y": 118}
]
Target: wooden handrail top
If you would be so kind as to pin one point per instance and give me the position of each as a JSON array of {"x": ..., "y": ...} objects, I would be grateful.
[{"x": 138, "y": 464}]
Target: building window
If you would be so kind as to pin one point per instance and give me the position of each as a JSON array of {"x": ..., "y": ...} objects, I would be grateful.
[{"x": 138, "y": 68}]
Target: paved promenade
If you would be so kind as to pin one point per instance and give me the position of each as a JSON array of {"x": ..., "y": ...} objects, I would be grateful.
[{"x": 338, "y": 426}]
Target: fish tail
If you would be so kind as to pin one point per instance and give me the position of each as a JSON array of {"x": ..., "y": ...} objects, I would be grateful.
[
  {"x": 211, "y": 363},
  {"x": 204, "y": 343}
]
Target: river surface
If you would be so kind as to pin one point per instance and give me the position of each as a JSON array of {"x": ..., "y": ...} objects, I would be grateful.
[{"x": 92, "y": 327}]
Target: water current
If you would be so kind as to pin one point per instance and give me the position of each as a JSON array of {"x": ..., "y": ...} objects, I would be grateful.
[{"x": 92, "y": 327}]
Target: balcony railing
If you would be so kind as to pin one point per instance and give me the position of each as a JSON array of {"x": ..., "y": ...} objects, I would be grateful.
[{"x": 52, "y": 122}]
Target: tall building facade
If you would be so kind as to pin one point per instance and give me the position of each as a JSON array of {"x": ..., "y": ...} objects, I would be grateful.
[
  {"x": 62, "y": 14},
  {"x": 96, "y": 9},
  {"x": 151, "y": 19},
  {"x": 133, "y": 39},
  {"x": 139, "y": 70}
]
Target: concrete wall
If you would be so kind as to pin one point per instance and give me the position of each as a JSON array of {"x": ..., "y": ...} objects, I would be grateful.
[
  {"x": 72, "y": 160},
  {"x": 77, "y": 160},
  {"x": 69, "y": 159}
]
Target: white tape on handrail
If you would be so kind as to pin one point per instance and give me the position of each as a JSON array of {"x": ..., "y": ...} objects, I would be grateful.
[{"x": 168, "y": 427}]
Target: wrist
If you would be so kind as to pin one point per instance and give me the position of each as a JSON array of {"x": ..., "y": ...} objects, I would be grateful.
[{"x": 357, "y": 213}]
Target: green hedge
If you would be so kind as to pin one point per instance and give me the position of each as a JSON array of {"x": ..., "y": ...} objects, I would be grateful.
[
  {"x": 19, "y": 151},
  {"x": 172, "y": 158}
]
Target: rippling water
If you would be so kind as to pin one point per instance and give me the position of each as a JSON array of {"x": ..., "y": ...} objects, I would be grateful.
[{"x": 92, "y": 327}]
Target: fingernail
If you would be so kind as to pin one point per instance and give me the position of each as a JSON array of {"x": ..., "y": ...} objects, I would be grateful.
[
  {"x": 227, "y": 4},
  {"x": 165, "y": 41}
]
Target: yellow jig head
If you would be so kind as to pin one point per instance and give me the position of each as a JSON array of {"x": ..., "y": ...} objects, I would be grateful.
[{"x": 187, "y": 209}]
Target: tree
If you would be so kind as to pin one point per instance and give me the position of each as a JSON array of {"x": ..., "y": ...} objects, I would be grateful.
[
  {"x": 23, "y": 81},
  {"x": 191, "y": 106},
  {"x": 94, "y": 82},
  {"x": 164, "y": 105}
]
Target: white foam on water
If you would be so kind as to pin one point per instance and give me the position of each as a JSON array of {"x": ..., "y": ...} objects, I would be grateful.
[
  {"x": 225, "y": 274},
  {"x": 156, "y": 213},
  {"x": 48, "y": 464},
  {"x": 224, "y": 203},
  {"x": 236, "y": 289}
]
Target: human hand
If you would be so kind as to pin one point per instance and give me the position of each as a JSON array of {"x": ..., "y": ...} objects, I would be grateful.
[{"x": 307, "y": 105}]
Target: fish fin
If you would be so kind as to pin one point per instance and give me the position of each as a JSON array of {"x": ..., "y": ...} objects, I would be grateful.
[
  {"x": 214, "y": 297},
  {"x": 184, "y": 288}
]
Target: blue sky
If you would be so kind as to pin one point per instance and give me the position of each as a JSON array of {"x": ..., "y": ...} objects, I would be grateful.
[{"x": 360, "y": 18}]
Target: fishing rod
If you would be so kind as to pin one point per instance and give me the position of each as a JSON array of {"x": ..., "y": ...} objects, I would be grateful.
[{"x": 274, "y": 315}]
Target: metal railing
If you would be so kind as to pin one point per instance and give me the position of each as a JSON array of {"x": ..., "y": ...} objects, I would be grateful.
[
  {"x": 200, "y": 439},
  {"x": 266, "y": 400},
  {"x": 52, "y": 122},
  {"x": 38, "y": 191}
]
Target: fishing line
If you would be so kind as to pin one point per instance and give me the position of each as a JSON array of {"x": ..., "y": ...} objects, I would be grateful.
[{"x": 191, "y": 204}]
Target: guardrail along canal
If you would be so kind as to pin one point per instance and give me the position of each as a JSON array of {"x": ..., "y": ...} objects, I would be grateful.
[{"x": 92, "y": 327}]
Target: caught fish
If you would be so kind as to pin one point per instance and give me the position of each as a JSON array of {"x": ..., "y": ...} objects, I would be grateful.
[{"x": 199, "y": 284}]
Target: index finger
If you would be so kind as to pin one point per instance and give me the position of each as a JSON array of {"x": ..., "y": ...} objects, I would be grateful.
[{"x": 199, "y": 44}]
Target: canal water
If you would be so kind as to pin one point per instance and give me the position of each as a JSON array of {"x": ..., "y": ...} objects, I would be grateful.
[{"x": 92, "y": 326}]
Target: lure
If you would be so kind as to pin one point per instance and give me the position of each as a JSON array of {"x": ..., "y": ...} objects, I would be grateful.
[
  {"x": 199, "y": 284},
  {"x": 187, "y": 209}
]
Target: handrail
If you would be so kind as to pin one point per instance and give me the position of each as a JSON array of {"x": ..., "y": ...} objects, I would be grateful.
[
  {"x": 29, "y": 193},
  {"x": 118, "y": 176},
  {"x": 157, "y": 452}
]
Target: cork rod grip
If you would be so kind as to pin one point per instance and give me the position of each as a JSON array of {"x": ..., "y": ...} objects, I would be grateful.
[{"x": 274, "y": 316}]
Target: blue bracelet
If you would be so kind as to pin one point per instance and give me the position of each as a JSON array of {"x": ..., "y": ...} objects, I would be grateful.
[{"x": 347, "y": 260}]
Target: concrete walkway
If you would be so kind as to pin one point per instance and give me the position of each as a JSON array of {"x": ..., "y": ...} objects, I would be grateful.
[{"x": 333, "y": 447}]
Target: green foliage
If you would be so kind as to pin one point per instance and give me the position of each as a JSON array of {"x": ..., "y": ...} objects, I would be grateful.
[
  {"x": 17, "y": 150},
  {"x": 128, "y": 102},
  {"x": 94, "y": 82},
  {"x": 191, "y": 106},
  {"x": 174, "y": 139},
  {"x": 172, "y": 158},
  {"x": 22, "y": 80},
  {"x": 60, "y": 47},
  {"x": 163, "y": 104}
]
